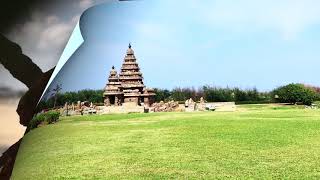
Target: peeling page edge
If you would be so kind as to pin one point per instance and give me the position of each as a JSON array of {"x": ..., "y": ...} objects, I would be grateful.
[{"x": 74, "y": 42}]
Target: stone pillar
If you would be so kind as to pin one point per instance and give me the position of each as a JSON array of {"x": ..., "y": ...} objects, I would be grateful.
[
  {"x": 79, "y": 105},
  {"x": 137, "y": 101},
  {"x": 107, "y": 101},
  {"x": 116, "y": 99},
  {"x": 66, "y": 106},
  {"x": 146, "y": 101}
]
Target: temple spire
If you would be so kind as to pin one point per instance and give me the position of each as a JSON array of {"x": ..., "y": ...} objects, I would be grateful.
[
  {"x": 130, "y": 51},
  {"x": 127, "y": 86}
]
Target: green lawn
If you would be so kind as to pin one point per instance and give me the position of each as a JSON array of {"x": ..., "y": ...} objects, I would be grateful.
[{"x": 257, "y": 141}]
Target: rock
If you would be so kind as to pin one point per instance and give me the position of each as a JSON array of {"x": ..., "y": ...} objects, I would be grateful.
[{"x": 164, "y": 107}]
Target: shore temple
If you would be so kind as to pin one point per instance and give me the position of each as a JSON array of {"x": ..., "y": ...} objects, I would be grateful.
[{"x": 127, "y": 88}]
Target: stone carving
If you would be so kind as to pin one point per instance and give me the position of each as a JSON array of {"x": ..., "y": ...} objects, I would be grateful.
[
  {"x": 190, "y": 105},
  {"x": 202, "y": 100},
  {"x": 202, "y": 105},
  {"x": 65, "y": 106},
  {"x": 79, "y": 105},
  {"x": 72, "y": 107}
]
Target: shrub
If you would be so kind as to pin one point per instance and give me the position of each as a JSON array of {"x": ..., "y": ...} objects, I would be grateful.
[
  {"x": 254, "y": 102},
  {"x": 47, "y": 117},
  {"x": 295, "y": 93},
  {"x": 52, "y": 117},
  {"x": 36, "y": 120}
]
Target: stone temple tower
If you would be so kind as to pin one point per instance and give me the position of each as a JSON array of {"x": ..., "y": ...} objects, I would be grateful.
[{"x": 127, "y": 87}]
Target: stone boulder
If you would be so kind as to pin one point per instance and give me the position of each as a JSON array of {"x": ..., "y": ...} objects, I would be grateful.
[{"x": 170, "y": 106}]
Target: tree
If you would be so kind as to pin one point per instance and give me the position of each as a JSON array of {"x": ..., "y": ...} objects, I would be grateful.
[
  {"x": 295, "y": 93},
  {"x": 162, "y": 94},
  {"x": 55, "y": 93},
  {"x": 215, "y": 94}
]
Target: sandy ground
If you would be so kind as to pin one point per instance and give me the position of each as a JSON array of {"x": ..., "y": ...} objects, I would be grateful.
[{"x": 10, "y": 129}]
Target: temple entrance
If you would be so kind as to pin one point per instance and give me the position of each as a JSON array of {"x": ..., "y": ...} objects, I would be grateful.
[
  {"x": 112, "y": 99},
  {"x": 141, "y": 101}
]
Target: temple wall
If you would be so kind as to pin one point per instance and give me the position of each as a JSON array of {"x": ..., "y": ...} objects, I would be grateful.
[
  {"x": 125, "y": 108},
  {"x": 131, "y": 100}
]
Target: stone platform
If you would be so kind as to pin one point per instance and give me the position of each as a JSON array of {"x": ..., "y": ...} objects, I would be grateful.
[{"x": 125, "y": 108}]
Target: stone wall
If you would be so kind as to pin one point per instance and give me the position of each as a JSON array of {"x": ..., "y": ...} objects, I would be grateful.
[
  {"x": 170, "y": 106},
  {"x": 222, "y": 106},
  {"x": 120, "y": 109}
]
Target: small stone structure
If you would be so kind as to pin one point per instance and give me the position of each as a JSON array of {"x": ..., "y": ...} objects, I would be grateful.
[
  {"x": 190, "y": 105},
  {"x": 81, "y": 109},
  {"x": 202, "y": 105}
]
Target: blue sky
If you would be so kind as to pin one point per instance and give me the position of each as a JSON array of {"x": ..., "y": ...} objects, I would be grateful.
[{"x": 189, "y": 43}]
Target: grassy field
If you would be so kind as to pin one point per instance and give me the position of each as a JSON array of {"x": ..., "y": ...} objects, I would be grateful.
[{"x": 257, "y": 141}]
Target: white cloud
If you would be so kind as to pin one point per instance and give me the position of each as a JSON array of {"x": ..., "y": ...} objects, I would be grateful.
[
  {"x": 43, "y": 38},
  {"x": 54, "y": 34}
]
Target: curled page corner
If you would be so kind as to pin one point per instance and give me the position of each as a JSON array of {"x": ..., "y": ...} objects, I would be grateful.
[{"x": 74, "y": 42}]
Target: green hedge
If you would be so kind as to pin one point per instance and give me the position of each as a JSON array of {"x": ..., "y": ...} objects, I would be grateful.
[
  {"x": 44, "y": 118},
  {"x": 296, "y": 93},
  {"x": 254, "y": 102}
]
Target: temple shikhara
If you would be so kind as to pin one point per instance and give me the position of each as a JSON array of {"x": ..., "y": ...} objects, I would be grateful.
[{"x": 127, "y": 88}]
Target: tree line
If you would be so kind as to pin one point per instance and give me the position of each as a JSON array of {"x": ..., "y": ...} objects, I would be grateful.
[
  {"x": 214, "y": 94},
  {"x": 292, "y": 93},
  {"x": 59, "y": 99}
]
